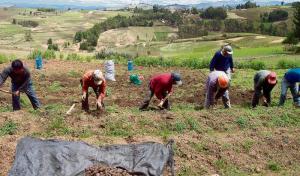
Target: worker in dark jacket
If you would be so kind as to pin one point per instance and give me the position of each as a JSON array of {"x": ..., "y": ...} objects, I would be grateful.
[
  {"x": 290, "y": 80},
  {"x": 20, "y": 82},
  {"x": 162, "y": 87},
  {"x": 265, "y": 81},
  {"x": 222, "y": 61},
  {"x": 96, "y": 80}
]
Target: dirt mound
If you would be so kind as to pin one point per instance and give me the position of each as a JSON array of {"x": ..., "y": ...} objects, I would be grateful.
[{"x": 98, "y": 170}]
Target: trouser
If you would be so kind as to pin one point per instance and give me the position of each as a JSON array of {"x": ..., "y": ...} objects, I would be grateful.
[
  {"x": 266, "y": 93},
  {"x": 148, "y": 98},
  {"x": 85, "y": 102},
  {"x": 224, "y": 93},
  {"x": 225, "y": 96},
  {"x": 294, "y": 90},
  {"x": 29, "y": 91}
]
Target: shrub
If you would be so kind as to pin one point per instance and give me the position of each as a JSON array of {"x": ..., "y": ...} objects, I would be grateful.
[
  {"x": 286, "y": 64},
  {"x": 256, "y": 65},
  {"x": 49, "y": 54},
  {"x": 53, "y": 47},
  {"x": 28, "y": 23},
  {"x": 278, "y": 15},
  {"x": 34, "y": 54}
]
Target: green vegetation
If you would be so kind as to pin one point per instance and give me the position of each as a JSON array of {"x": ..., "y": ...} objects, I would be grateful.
[
  {"x": 8, "y": 128},
  {"x": 247, "y": 5},
  {"x": 214, "y": 13}
]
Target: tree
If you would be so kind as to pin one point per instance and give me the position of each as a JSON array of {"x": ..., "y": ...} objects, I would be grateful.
[
  {"x": 14, "y": 21},
  {"x": 214, "y": 13},
  {"x": 297, "y": 21},
  {"x": 155, "y": 8},
  {"x": 194, "y": 10},
  {"x": 49, "y": 42},
  {"x": 278, "y": 15}
]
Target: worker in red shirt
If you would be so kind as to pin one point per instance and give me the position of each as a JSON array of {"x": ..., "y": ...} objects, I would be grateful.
[
  {"x": 96, "y": 80},
  {"x": 162, "y": 86}
]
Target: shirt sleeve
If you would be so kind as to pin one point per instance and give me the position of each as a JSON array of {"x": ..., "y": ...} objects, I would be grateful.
[
  {"x": 213, "y": 63},
  {"x": 4, "y": 74},
  {"x": 102, "y": 91},
  {"x": 84, "y": 85}
]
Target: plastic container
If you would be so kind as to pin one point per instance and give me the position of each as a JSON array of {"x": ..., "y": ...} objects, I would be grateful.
[
  {"x": 38, "y": 62},
  {"x": 130, "y": 65}
]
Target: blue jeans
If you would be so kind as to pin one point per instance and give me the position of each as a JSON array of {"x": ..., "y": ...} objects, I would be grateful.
[
  {"x": 29, "y": 91},
  {"x": 294, "y": 90}
]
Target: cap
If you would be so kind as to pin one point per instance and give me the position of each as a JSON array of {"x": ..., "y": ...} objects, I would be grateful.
[
  {"x": 98, "y": 77},
  {"x": 228, "y": 49},
  {"x": 223, "y": 81},
  {"x": 272, "y": 78},
  {"x": 177, "y": 78}
]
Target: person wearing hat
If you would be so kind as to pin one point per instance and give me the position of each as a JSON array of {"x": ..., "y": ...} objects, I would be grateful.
[
  {"x": 162, "y": 87},
  {"x": 20, "y": 82},
  {"x": 290, "y": 80},
  {"x": 222, "y": 61},
  {"x": 96, "y": 80},
  {"x": 216, "y": 86},
  {"x": 264, "y": 80}
]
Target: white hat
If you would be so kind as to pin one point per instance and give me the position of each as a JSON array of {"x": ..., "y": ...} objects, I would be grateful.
[
  {"x": 228, "y": 49},
  {"x": 98, "y": 77}
]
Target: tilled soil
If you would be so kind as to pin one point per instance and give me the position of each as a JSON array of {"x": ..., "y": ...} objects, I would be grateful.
[{"x": 100, "y": 170}]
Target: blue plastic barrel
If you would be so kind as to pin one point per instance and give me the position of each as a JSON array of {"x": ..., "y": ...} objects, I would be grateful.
[
  {"x": 130, "y": 65},
  {"x": 38, "y": 62}
]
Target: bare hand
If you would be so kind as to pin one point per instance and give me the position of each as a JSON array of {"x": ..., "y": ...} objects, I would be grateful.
[
  {"x": 233, "y": 70},
  {"x": 83, "y": 96},
  {"x": 161, "y": 103},
  {"x": 99, "y": 104},
  {"x": 17, "y": 93}
]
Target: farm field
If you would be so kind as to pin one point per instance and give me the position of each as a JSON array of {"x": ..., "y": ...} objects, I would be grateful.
[{"x": 236, "y": 141}]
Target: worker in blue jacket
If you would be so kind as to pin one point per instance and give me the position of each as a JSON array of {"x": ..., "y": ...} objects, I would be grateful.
[
  {"x": 222, "y": 61},
  {"x": 290, "y": 80}
]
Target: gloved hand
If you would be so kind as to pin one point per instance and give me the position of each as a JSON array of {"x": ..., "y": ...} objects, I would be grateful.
[{"x": 83, "y": 96}]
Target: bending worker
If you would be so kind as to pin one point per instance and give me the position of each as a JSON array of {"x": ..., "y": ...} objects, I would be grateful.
[
  {"x": 222, "y": 61},
  {"x": 94, "y": 79},
  {"x": 20, "y": 82},
  {"x": 265, "y": 81},
  {"x": 162, "y": 86},
  {"x": 290, "y": 80},
  {"x": 216, "y": 86}
]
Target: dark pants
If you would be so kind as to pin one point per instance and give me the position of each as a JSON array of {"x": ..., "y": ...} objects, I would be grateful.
[
  {"x": 147, "y": 100},
  {"x": 266, "y": 88},
  {"x": 29, "y": 91},
  {"x": 85, "y": 102}
]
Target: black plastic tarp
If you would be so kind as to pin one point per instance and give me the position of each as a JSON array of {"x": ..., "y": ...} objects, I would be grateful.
[{"x": 36, "y": 157}]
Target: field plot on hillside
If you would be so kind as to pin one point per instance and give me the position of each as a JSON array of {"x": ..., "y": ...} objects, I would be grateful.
[
  {"x": 239, "y": 141},
  {"x": 61, "y": 26}
]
